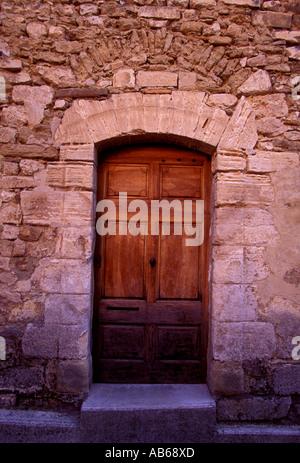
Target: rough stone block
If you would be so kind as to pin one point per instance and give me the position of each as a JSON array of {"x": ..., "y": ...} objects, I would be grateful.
[
  {"x": 10, "y": 232},
  {"x": 253, "y": 408},
  {"x": 289, "y": 36},
  {"x": 124, "y": 78},
  {"x": 14, "y": 116},
  {"x": 28, "y": 151},
  {"x": 75, "y": 242},
  {"x": 227, "y": 264},
  {"x": 73, "y": 342},
  {"x": 188, "y": 27},
  {"x": 42, "y": 207},
  {"x": 258, "y": 190},
  {"x": 241, "y": 131},
  {"x": 270, "y": 105},
  {"x": 187, "y": 80},
  {"x": 41, "y": 341},
  {"x": 35, "y": 112},
  {"x": 78, "y": 208},
  {"x": 78, "y": 153},
  {"x": 10, "y": 213},
  {"x": 57, "y": 75},
  {"x": 229, "y": 188},
  {"x": 7, "y": 135},
  {"x": 258, "y": 60},
  {"x": 36, "y": 30},
  {"x": 286, "y": 379},
  {"x": 158, "y": 12},
  {"x": 272, "y": 19},
  {"x": 226, "y": 378},
  {"x": 271, "y": 127},
  {"x": 239, "y": 189},
  {"x": 233, "y": 302},
  {"x": 226, "y": 162},
  {"x": 8, "y": 400},
  {"x": 11, "y": 64},
  {"x": 222, "y": 100},
  {"x": 239, "y": 341},
  {"x": 247, "y": 226},
  {"x": 62, "y": 175},
  {"x": 284, "y": 314},
  {"x": 65, "y": 276},
  {"x": 219, "y": 40},
  {"x": 43, "y": 94},
  {"x": 157, "y": 79},
  {"x": 271, "y": 161},
  {"x": 68, "y": 46},
  {"x": 15, "y": 182},
  {"x": 88, "y": 9},
  {"x": 68, "y": 309},
  {"x": 293, "y": 53},
  {"x": 253, "y": 3},
  {"x": 202, "y": 3},
  {"x": 24, "y": 380},
  {"x": 73, "y": 376},
  {"x": 10, "y": 168},
  {"x": 257, "y": 84}
]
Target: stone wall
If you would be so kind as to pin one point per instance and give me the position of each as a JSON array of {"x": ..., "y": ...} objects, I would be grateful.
[{"x": 219, "y": 76}]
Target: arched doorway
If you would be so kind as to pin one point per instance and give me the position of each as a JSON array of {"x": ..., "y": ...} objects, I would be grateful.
[
  {"x": 151, "y": 284},
  {"x": 184, "y": 118}
]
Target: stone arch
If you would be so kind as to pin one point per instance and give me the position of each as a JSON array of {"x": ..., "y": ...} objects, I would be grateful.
[
  {"x": 181, "y": 114},
  {"x": 191, "y": 119}
]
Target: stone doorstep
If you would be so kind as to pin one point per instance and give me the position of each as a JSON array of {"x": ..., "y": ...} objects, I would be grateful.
[
  {"x": 148, "y": 413},
  {"x": 130, "y": 413}
]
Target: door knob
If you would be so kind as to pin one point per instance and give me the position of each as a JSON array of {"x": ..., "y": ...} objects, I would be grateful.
[{"x": 152, "y": 262}]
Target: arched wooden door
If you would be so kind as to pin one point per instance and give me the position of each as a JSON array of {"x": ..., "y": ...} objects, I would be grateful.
[{"x": 151, "y": 290}]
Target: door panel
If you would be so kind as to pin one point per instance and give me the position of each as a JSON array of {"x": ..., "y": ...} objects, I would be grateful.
[
  {"x": 178, "y": 271},
  {"x": 132, "y": 179},
  {"x": 151, "y": 289},
  {"x": 181, "y": 182},
  {"x": 124, "y": 266},
  {"x": 178, "y": 343},
  {"x": 127, "y": 342}
]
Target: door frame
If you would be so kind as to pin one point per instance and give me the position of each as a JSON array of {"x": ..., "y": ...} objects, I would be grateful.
[
  {"x": 101, "y": 155},
  {"x": 186, "y": 118}
]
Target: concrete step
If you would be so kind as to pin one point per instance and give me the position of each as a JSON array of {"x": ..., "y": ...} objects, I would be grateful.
[
  {"x": 257, "y": 433},
  {"x": 152, "y": 413},
  {"x": 34, "y": 426}
]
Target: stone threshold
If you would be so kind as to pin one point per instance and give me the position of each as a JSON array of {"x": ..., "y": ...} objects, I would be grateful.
[
  {"x": 144, "y": 413},
  {"x": 148, "y": 413},
  {"x": 103, "y": 396}
]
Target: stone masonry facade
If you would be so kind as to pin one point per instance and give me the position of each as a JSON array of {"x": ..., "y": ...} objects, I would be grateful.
[{"x": 217, "y": 76}]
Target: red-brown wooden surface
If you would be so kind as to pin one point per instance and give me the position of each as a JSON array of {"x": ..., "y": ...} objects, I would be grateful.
[{"x": 150, "y": 322}]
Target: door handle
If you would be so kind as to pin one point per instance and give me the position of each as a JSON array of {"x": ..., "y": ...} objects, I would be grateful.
[{"x": 152, "y": 262}]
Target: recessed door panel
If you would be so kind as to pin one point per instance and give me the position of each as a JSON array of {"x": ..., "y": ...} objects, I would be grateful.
[
  {"x": 130, "y": 179},
  {"x": 181, "y": 182},
  {"x": 123, "y": 341},
  {"x": 178, "y": 343},
  {"x": 178, "y": 268},
  {"x": 124, "y": 266}
]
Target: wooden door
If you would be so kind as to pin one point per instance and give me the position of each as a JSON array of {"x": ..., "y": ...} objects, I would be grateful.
[{"x": 151, "y": 289}]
